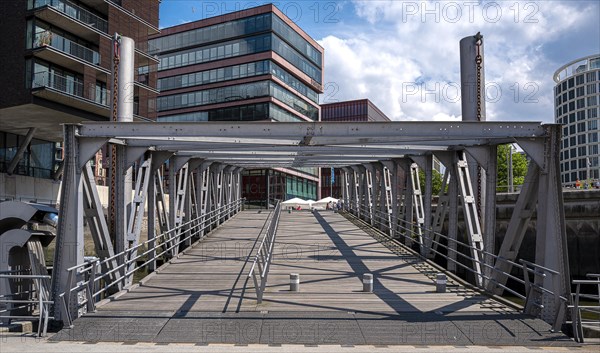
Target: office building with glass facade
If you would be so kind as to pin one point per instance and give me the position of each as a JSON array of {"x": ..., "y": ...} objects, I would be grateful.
[
  {"x": 577, "y": 105},
  {"x": 56, "y": 68},
  {"x": 361, "y": 110},
  {"x": 249, "y": 65}
]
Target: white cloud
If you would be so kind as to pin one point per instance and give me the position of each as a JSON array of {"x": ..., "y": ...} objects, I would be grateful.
[{"x": 396, "y": 45}]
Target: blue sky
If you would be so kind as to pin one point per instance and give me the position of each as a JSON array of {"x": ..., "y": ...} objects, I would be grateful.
[{"x": 403, "y": 55}]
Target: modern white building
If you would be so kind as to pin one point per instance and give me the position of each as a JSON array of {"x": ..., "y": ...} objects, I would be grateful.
[{"x": 576, "y": 101}]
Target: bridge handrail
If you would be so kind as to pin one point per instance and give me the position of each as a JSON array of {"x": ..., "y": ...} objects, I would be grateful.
[
  {"x": 42, "y": 301},
  {"x": 264, "y": 254},
  {"x": 381, "y": 218},
  {"x": 92, "y": 283},
  {"x": 577, "y": 321}
]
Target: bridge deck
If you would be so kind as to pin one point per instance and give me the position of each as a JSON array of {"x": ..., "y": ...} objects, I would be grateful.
[{"x": 204, "y": 296}]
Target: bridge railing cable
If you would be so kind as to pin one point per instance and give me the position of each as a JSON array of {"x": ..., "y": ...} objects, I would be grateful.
[
  {"x": 88, "y": 278},
  {"x": 264, "y": 256},
  {"x": 412, "y": 232}
]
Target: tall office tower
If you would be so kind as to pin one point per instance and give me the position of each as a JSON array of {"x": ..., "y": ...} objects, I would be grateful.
[
  {"x": 577, "y": 100},
  {"x": 249, "y": 65}
]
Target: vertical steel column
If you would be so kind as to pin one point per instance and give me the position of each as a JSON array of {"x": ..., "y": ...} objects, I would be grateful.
[
  {"x": 136, "y": 215},
  {"x": 407, "y": 219},
  {"x": 190, "y": 207},
  {"x": 122, "y": 197},
  {"x": 345, "y": 182},
  {"x": 356, "y": 190},
  {"x": 156, "y": 205},
  {"x": 551, "y": 243},
  {"x": 69, "y": 240},
  {"x": 486, "y": 157},
  {"x": 471, "y": 215},
  {"x": 450, "y": 161},
  {"x": 418, "y": 204},
  {"x": 426, "y": 163},
  {"x": 440, "y": 212},
  {"x": 369, "y": 192},
  {"x": 390, "y": 173},
  {"x": 203, "y": 194},
  {"x": 228, "y": 190},
  {"x": 383, "y": 211}
]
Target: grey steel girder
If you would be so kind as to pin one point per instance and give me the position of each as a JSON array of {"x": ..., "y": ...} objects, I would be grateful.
[
  {"x": 69, "y": 240},
  {"x": 94, "y": 216}
]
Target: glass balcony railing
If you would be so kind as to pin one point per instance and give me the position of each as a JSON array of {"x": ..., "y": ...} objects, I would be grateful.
[
  {"x": 76, "y": 12},
  {"x": 63, "y": 44},
  {"x": 58, "y": 82},
  {"x": 69, "y": 85}
]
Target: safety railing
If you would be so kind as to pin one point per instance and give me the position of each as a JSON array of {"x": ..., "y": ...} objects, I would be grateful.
[
  {"x": 88, "y": 278},
  {"x": 76, "y": 12},
  {"x": 264, "y": 255},
  {"x": 42, "y": 302},
  {"x": 408, "y": 231},
  {"x": 578, "y": 320},
  {"x": 47, "y": 38}
]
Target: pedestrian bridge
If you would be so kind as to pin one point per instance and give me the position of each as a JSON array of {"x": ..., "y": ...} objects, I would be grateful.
[
  {"x": 227, "y": 271},
  {"x": 205, "y": 295}
]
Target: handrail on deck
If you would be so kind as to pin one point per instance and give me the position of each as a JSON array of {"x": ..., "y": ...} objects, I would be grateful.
[
  {"x": 264, "y": 255},
  {"x": 42, "y": 301},
  {"x": 576, "y": 309},
  {"x": 96, "y": 283}
]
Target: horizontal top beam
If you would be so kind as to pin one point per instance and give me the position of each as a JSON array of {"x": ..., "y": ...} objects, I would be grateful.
[
  {"x": 268, "y": 144},
  {"x": 316, "y": 133}
]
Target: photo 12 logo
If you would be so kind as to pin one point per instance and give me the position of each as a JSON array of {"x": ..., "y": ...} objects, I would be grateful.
[
  {"x": 450, "y": 92},
  {"x": 469, "y": 11},
  {"x": 317, "y": 11}
]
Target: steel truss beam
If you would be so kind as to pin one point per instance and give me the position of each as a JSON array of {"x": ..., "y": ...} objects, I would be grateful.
[
  {"x": 370, "y": 192},
  {"x": 136, "y": 212},
  {"x": 417, "y": 201},
  {"x": 426, "y": 164},
  {"x": 542, "y": 187},
  {"x": 471, "y": 214},
  {"x": 369, "y": 153},
  {"x": 20, "y": 151},
  {"x": 94, "y": 216},
  {"x": 156, "y": 205},
  {"x": 178, "y": 187},
  {"x": 390, "y": 172}
]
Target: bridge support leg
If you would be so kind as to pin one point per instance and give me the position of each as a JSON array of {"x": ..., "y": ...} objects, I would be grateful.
[{"x": 69, "y": 240}]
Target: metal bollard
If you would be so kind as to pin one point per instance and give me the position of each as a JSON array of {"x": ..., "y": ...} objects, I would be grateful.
[
  {"x": 294, "y": 282},
  {"x": 368, "y": 283},
  {"x": 440, "y": 283}
]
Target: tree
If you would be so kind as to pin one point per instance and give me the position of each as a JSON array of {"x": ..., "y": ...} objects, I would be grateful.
[
  {"x": 436, "y": 181},
  {"x": 519, "y": 168}
]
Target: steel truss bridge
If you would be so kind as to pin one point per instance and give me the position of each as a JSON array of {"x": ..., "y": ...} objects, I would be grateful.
[{"x": 205, "y": 164}]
